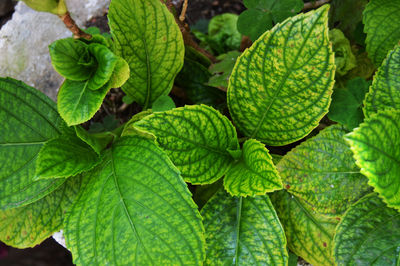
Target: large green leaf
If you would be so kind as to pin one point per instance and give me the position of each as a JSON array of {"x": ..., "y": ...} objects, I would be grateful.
[
  {"x": 382, "y": 25},
  {"x": 385, "y": 90},
  {"x": 243, "y": 231},
  {"x": 280, "y": 87},
  {"x": 196, "y": 138},
  {"x": 254, "y": 173},
  {"x": 309, "y": 234},
  {"x": 136, "y": 210},
  {"x": 375, "y": 145},
  {"x": 369, "y": 234},
  {"x": 29, "y": 225},
  {"x": 71, "y": 59},
  {"x": 29, "y": 119},
  {"x": 77, "y": 103},
  {"x": 147, "y": 37},
  {"x": 65, "y": 156},
  {"x": 322, "y": 172}
]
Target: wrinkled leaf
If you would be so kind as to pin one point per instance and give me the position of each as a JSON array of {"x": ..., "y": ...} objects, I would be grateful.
[
  {"x": 223, "y": 35},
  {"x": 30, "y": 225},
  {"x": 309, "y": 234},
  {"x": 344, "y": 57},
  {"x": 147, "y": 37},
  {"x": 385, "y": 90},
  {"x": 196, "y": 139},
  {"x": 65, "y": 156},
  {"x": 135, "y": 209},
  {"x": 243, "y": 231},
  {"x": 322, "y": 172},
  {"x": 382, "y": 25},
  {"x": 375, "y": 145},
  {"x": 254, "y": 173},
  {"x": 29, "y": 119},
  {"x": 280, "y": 87},
  {"x": 369, "y": 234}
]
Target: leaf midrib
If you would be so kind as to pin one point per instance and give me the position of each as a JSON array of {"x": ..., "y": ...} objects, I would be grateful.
[{"x": 285, "y": 78}]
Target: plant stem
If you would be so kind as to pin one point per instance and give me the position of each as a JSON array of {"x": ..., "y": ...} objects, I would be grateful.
[
  {"x": 71, "y": 25},
  {"x": 314, "y": 4},
  {"x": 184, "y": 8}
]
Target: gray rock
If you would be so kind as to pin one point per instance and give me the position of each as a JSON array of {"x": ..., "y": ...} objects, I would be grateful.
[
  {"x": 5, "y": 7},
  {"x": 24, "y": 42}
]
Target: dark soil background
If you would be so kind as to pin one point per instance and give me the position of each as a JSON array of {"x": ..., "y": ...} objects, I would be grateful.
[{"x": 50, "y": 253}]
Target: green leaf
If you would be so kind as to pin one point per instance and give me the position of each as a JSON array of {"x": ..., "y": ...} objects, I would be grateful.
[
  {"x": 65, "y": 156},
  {"x": 135, "y": 210},
  {"x": 322, "y": 172},
  {"x": 71, "y": 59},
  {"x": 385, "y": 90},
  {"x": 222, "y": 70},
  {"x": 254, "y": 174},
  {"x": 223, "y": 34},
  {"x": 202, "y": 194},
  {"x": 147, "y": 37},
  {"x": 344, "y": 57},
  {"x": 309, "y": 234},
  {"x": 163, "y": 103},
  {"x": 375, "y": 145},
  {"x": 56, "y": 7},
  {"x": 243, "y": 231},
  {"x": 196, "y": 139},
  {"x": 97, "y": 141},
  {"x": 106, "y": 62},
  {"x": 131, "y": 130},
  {"x": 29, "y": 119},
  {"x": 346, "y": 106},
  {"x": 121, "y": 73},
  {"x": 77, "y": 103},
  {"x": 261, "y": 13},
  {"x": 30, "y": 225},
  {"x": 280, "y": 87},
  {"x": 382, "y": 26},
  {"x": 369, "y": 234},
  {"x": 293, "y": 259}
]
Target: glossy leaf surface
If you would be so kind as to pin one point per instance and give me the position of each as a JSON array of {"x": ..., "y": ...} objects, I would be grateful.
[
  {"x": 382, "y": 25},
  {"x": 71, "y": 59},
  {"x": 196, "y": 138},
  {"x": 147, "y": 37},
  {"x": 309, "y": 234},
  {"x": 369, "y": 234},
  {"x": 243, "y": 231},
  {"x": 375, "y": 145},
  {"x": 77, "y": 103},
  {"x": 254, "y": 173},
  {"x": 29, "y": 119},
  {"x": 280, "y": 87},
  {"x": 65, "y": 156},
  {"x": 30, "y": 225},
  {"x": 385, "y": 90},
  {"x": 135, "y": 209},
  {"x": 322, "y": 172}
]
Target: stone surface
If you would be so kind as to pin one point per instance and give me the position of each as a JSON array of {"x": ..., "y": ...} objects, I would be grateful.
[{"x": 24, "y": 42}]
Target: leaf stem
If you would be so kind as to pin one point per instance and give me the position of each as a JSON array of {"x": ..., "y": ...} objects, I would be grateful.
[
  {"x": 314, "y": 4},
  {"x": 184, "y": 8},
  {"x": 71, "y": 25}
]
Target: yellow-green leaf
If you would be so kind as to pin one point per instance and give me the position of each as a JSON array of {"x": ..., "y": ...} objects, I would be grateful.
[
  {"x": 196, "y": 138},
  {"x": 309, "y": 234},
  {"x": 135, "y": 209},
  {"x": 29, "y": 225},
  {"x": 148, "y": 38},
  {"x": 322, "y": 172},
  {"x": 254, "y": 173},
  {"x": 382, "y": 25},
  {"x": 29, "y": 119},
  {"x": 281, "y": 86},
  {"x": 385, "y": 89},
  {"x": 243, "y": 231},
  {"x": 375, "y": 145},
  {"x": 369, "y": 234}
]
